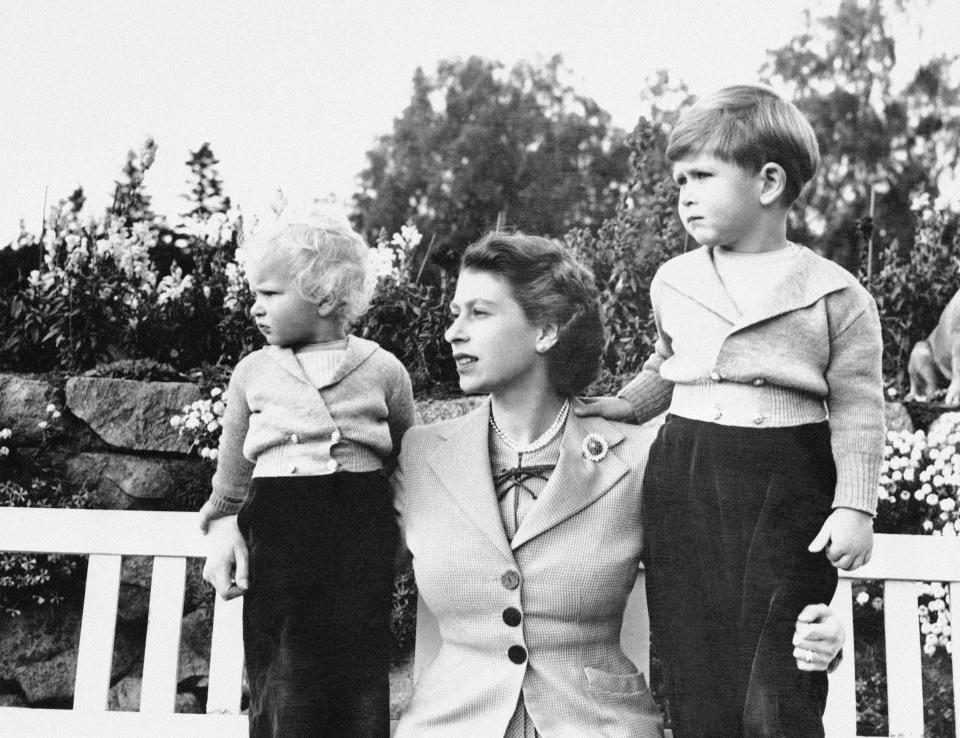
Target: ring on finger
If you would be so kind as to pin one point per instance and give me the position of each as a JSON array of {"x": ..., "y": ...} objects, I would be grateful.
[{"x": 807, "y": 655}]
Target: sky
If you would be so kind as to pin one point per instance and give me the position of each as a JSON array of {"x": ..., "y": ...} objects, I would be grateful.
[{"x": 291, "y": 94}]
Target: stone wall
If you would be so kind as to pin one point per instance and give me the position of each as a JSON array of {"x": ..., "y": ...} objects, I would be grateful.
[{"x": 114, "y": 436}]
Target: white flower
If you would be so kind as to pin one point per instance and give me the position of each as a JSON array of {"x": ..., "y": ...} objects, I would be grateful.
[
  {"x": 863, "y": 598},
  {"x": 212, "y": 426},
  {"x": 42, "y": 425},
  {"x": 176, "y": 420},
  {"x": 5, "y": 433},
  {"x": 214, "y": 453},
  {"x": 51, "y": 408},
  {"x": 216, "y": 392},
  {"x": 4, "y": 451}
]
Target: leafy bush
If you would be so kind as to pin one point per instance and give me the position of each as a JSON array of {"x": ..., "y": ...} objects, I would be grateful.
[
  {"x": 35, "y": 580},
  {"x": 628, "y": 248},
  {"x": 913, "y": 286}
]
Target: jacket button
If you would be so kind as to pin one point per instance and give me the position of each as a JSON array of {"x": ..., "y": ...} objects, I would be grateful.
[
  {"x": 335, "y": 436},
  {"x": 517, "y": 654},
  {"x": 332, "y": 465},
  {"x": 294, "y": 438},
  {"x": 715, "y": 376},
  {"x": 759, "y": 382},
  {"x": 512, "y": 617},
  {"x": 510, "y": 579}
]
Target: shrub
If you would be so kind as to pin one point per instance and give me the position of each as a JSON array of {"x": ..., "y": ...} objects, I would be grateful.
[
  {"x": 35, "y": 580},
  {"x": 627, "y": 250},
  {"x": 913, "y": 286}
]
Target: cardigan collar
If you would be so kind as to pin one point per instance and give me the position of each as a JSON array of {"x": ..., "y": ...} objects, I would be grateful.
[
  {"x": 358, "y": 351},
  {"x": 695, "y": 276}
]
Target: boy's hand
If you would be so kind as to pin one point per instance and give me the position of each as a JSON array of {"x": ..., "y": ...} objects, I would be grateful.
[
  {"x": 226, "y": 564},
  {"x": 846, "y": 538},
  {"x": 208, "y": 513},
  {"x": 610, "y": 408}
]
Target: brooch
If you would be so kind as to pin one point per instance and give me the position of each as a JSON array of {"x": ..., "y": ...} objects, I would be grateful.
[{"x": 594, "y": 447}]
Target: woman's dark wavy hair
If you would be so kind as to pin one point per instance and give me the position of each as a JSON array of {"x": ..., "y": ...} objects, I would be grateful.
[{"x": 551, "y": 287}]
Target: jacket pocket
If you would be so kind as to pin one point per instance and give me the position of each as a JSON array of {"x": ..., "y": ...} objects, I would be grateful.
[{"x": 604, "y": 681}]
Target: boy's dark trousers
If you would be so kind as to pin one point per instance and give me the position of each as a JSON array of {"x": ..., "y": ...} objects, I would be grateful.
[
  {"x": 317, "y": 614},
  {"x": 728, "y": 515}
]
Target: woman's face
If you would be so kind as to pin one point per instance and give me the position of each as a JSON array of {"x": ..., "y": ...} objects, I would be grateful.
[{"x": 494, "y": 345}]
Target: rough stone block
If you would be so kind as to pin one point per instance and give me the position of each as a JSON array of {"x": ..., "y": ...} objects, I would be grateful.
[
  {"x": 23, "y": 404},
  {"x": 130, "y": 414},
  {"x": 134, "y": 476}
]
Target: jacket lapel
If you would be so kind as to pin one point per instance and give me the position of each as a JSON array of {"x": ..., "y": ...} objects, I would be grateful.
[
  {"x": 577, "y": 481},
  {"x": 462, "y": 463}
]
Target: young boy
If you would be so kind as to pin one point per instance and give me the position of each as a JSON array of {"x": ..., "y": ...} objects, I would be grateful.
[
  {"x": 311, "y": 421},
  {"x": 768, "y": 358}
]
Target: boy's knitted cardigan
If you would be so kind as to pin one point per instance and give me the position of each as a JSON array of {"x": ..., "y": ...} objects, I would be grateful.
[
  {"x": 811, "y": 351},
  {"x": 356, "y": 419}
]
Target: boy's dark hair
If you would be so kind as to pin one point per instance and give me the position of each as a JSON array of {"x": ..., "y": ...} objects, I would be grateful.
[
  {"x": 551, "y": 287},
  {"x": 749, "y": 125}
]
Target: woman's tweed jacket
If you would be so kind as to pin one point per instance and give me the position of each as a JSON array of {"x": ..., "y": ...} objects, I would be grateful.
[{"x": 568, "y": 571}]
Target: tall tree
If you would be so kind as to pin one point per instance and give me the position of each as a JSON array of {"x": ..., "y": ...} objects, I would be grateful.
[
  {"x": 481, "y": 144},
  {"x": 878, "y": 142},
  {"x": 206, "y": 195}
]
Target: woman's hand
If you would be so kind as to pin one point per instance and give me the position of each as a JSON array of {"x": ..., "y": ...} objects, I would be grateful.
[
  {"x": 226, "y": 565},
  {"x": 817, "y": 639}
]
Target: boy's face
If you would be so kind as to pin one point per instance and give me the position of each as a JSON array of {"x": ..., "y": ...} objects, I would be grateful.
[
  {"x": 281, "y": 313},
  {"x": 719, "y": 202}
]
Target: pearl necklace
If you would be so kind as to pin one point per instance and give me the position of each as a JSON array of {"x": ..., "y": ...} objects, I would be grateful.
[{"x": 541, "y": 440}]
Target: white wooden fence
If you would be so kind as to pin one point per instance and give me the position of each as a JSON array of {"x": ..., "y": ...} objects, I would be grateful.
[{"x": 106, "y": 535}]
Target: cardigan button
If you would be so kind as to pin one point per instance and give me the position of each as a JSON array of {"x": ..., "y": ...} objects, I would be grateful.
[
  {"x": 715, "y": 376},
  {"x": 335, "y": 436},
  {"x": 517, "y": 654},
  {"x": 759, "y": 382},
  {"x": 512, "y": 617},
  {"x": 510, "y": 579},
  {"x": 758, "y": 420},
  {"x": 718, "y": 413},
  {"x": 294, "y": 438},
  {"x": 293, "y": 468},
  {"x": 332, "y": 465}
]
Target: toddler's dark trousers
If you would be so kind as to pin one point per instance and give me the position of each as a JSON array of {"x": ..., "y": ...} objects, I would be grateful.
[
  {"x": 316, "y": 617},
  {"x": 728, "y": 515}
]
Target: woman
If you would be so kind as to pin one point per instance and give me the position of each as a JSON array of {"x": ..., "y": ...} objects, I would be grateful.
[{"x": 523, "y": 519}]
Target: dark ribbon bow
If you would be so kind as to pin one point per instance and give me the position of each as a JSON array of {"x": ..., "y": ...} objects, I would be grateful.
[{"x": 507, "y": 479}]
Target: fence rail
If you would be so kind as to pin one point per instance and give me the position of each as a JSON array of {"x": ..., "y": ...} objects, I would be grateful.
[{"x": 107, "y": 535}]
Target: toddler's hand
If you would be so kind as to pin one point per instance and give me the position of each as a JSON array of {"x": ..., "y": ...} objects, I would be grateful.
[
  {"x": 226, "y": 564},
  {"x": 611, "y": 408},
  {"x": 846, "y": 538}
]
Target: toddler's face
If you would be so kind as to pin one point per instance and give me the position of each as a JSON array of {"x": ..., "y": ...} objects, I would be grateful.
[
  {"x": 281, "y": 313},
  {"x": 719, "y": 202}
]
